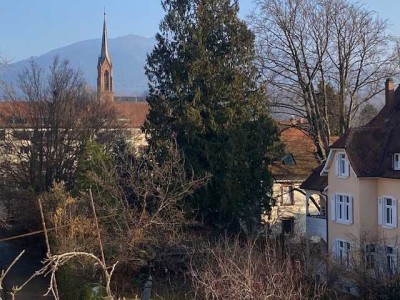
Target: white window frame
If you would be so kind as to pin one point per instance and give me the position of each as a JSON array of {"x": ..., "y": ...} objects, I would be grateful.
[
  {"x": 396, "y": 161},
  {"x": 342, "y": 208},
  {"x": 342, "y": 251},
  {"x": 391, "y": 259},
  {"x": 387, "y": 212},
  {"x": 342, "y": 165}
]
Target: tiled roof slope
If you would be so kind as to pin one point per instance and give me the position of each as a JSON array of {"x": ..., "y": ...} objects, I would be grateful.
[
  {"x": 133, "y": 113},
  {"x": 370, "y": 148},
  {"x": 315, "y": 181},
  {"x": 301, "y": 146}
]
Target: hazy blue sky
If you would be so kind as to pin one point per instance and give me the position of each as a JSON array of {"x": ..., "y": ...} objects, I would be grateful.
[{"x": 33, "y": 27}]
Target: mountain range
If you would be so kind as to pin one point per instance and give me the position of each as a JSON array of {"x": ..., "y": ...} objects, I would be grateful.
[{"x": 128, "y": 55}]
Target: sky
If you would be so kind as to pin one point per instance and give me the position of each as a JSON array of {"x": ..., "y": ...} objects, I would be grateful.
[{"x": 34, "y": 27}]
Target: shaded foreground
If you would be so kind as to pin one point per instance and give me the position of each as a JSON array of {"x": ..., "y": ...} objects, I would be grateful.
[{"x": 29, "y": 262}]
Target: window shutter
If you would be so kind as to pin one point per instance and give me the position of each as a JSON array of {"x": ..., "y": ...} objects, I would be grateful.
[
  {"x": 348, "y": 254},
  {"x": 351, "y": 200},
  {"x": 337, "y": 164},
  {"x": 335, "y": 248},
  {"x": 347, "y": 167},
  {"x": 380, "y": 210},
  {"x": 394, "y": 161},
  {"x": 395, "y": 213},
  {"x": 333, "y": 207}
]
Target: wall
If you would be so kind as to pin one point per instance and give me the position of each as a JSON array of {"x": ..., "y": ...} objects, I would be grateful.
[
  {"x": 349, "y": 185},
  {"x": 296, "y": 211}
]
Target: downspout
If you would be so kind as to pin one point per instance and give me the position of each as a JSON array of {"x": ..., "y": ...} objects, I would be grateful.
[{"x": 326, "y": 215}]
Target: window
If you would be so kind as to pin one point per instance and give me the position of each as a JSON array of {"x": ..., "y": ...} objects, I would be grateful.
[
  {"x": 396, "y": 161},
  {"x": 387, "y": 212},
  {"x": 391, "y": 259},
  {"x": 342, "y": 208},
  {"x": 106, "y": 81},
  {"x": 287, "y": 197},
  {"x": 2, "y": 135},
  {"x": 342, "y": 165},
  {"x": 17, "y": 120},
  {"x": 22, "y": 135},
  {"x": 343, "y": 252},
  {"x": 370, "y": 256},
  {"x": 24, "y": 149},
  {"x": 289, "y": 160},
  {"x": 288, "y": 226}
]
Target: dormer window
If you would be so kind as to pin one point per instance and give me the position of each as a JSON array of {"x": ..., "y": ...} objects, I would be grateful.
[
  {"x": 289, "y": 160},
  {"x": 396, "y": 161},
  {"x": 342, "y": 165}
]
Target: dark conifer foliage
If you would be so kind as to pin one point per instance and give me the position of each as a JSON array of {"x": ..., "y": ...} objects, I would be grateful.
[{"x": 203, "y": 92}]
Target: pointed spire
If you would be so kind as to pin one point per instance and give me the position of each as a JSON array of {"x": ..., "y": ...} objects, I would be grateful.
[{"x": 104, "y": 44}]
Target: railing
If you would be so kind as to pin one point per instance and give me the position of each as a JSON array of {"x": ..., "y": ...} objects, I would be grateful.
[{"x": 316, "y": 226}]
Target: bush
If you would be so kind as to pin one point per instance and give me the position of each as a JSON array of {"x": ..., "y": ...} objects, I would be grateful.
[{"x": 232, "y": 269}]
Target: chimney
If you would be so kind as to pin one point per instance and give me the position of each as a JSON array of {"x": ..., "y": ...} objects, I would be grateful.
[{"x": 389, "y": 92}]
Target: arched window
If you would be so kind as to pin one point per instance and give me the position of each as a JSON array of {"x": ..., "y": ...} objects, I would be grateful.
[{"x": 106, "y": 80}]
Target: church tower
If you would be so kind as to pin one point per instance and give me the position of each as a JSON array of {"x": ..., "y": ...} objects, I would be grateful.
[{"x": 104, "y": 70}]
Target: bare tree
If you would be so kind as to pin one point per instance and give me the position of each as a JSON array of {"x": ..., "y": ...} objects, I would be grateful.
[
  {"x": 304, "y": 45},
  {"x": 45, "y": 121},
  {"x": 366, "y": 113},
  {"x": 139, "y": 206}
]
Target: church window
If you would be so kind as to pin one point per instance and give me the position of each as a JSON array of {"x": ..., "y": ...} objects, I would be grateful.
[{"x": 106, "y": 80}]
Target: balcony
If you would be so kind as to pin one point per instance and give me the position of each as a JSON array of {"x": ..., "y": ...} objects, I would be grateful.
[{"x": 316, "y": 226}]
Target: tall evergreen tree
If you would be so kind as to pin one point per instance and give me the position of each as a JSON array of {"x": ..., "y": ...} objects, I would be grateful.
[{"x": 203, "y": 92}]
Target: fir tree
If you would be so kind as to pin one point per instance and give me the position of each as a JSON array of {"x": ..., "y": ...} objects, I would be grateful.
[{"x": 203, "y": 92}]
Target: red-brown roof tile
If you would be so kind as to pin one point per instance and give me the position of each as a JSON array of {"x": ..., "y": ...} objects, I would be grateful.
[
  {"x": 301, "y": 146},
  {"x": 134, "y": 112}
]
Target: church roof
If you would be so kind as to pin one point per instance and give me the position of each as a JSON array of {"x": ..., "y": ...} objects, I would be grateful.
[{"x": 104, "y": 54}]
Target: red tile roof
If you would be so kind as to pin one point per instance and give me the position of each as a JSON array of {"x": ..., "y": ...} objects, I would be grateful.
[
  {"x": 134, "y": 112},
  {"x": 301, "y": 146}
]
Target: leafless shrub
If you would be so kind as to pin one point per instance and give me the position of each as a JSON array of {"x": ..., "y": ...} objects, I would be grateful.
[
  {"x": 232, "y": 269},
  {"x": 369, "y": 268},
  {"x": 140, "y": 213}
]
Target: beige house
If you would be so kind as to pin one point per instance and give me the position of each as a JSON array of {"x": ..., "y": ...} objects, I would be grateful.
[
  {"x": 288, "y": 215},
  {"x": 362, "y": 188}
]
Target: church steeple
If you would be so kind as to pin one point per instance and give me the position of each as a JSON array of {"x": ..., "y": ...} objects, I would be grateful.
[{"x": 104, "y": 69}]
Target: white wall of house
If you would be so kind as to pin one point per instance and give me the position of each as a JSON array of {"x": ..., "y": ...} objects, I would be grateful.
[{"x": 289, "y": 207}]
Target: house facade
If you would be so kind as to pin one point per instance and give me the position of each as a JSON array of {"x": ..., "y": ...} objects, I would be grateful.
[
  {"x": 362, "y": 188},
  {"x": 288, "y": 215}
]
